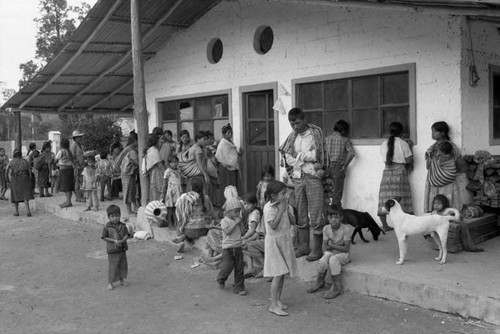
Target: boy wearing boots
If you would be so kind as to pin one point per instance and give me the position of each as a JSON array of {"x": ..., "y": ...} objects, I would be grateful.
[{"x": 336, "y": 246}]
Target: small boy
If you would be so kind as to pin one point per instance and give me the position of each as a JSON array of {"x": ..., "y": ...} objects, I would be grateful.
[
  {"x": 232, "y": 254},
  {"x": 336, "y": 246},
  {"x": 115, "y": 233},
  {"x": 104, "y": 174},
  {"x": 339, "y": 154}
]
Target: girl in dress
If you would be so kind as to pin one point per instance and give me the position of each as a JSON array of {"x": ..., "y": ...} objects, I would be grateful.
[
  {"x": 172, "y": 188},
  {"x": 89, "y": 185},
  {"x": 280, "y": 256}
]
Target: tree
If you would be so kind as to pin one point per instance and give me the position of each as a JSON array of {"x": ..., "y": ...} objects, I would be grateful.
[
  {"x": 56, "y": 23},
  {"x": 29, "y": 69},
  {"x": 99, "y": 132}
]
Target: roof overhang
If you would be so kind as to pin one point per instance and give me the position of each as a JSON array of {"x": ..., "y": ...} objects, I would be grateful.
[{"x": 93, "y": 72}]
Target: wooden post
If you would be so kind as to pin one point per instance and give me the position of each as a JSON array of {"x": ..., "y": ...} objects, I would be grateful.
[
  {"x": 19, "y": 137},
  {"x": 140, "y": 111}
]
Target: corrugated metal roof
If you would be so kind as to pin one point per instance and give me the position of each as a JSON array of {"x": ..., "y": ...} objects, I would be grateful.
[
  {"x": 94, "y": 70},
  {"x": 99, "y": 77}
]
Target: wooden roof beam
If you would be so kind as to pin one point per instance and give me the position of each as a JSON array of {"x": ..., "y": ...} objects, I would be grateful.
[
  {"x": 125, "y": 84},
  {"x": 88, "y": 75},
  {"x": 72, "y": 59},
  {"x": 151, "y": 54},
  {"x": 427, "y": 9},
  {"x": 126, "y": 20},
  {"x": 125, "y": 57}
]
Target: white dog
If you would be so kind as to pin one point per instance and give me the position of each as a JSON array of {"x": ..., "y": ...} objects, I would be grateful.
[{"x": 405, "y": 225}]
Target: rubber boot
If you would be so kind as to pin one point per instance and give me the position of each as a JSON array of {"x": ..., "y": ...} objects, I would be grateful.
[
  {"x": 315, "y": 243},
  {"x": 336, "y": 289},
  {"x": 303, "y": 236},
  {"x": 320, "y": 282}
]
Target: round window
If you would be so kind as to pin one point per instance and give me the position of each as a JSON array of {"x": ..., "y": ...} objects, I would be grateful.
[
  {"x": 263, "y": 39},
  {"x": 214, "y": 51}
]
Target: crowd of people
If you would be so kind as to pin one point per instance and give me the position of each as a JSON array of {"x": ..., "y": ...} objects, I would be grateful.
[{"x": 197, "y": 179}]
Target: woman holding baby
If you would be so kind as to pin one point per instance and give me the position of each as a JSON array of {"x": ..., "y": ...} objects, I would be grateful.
[{"x": 444, "y": 175}]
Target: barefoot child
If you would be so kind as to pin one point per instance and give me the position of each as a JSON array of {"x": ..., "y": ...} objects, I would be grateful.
[
  {"x": 232, "y": 255},
  {"x": 336, "y": 246},
  {"x": 115, "y": 233},
  {"x": 172, "y": 188},
  {"x": 89, "y": 184},
  {"x": 280, "y": 256}
]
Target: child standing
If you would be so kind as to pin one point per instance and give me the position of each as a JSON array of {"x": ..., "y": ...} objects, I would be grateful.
[
  {"x": 115, "y": 233},
  {"x": 104, "y": 174},
  {"x": 252, "y": 215},
  {"x": 232, "y": 255},
  {"x": 172, "y": 188},
  {"x": 89, "y": 185},
  {"x": 280, "y": 256},
  {"x": 266, "y": 177},
  {"x": 339, "y": 154},
  {"x": 336, "y": 246}
]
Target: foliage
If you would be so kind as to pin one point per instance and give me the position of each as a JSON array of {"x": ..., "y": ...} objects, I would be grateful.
[
  {"x": 56, "y": 23},
  {"x": 29, "y": 69},
  {"x": 99, "y": 132}
]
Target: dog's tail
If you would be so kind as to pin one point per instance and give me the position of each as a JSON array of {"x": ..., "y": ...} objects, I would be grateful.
[{"x": 453, "y": 213}]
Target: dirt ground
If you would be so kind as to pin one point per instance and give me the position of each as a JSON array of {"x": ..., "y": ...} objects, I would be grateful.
[{"x": 54, "y": 274}]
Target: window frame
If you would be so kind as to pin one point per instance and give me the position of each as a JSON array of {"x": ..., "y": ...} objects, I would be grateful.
[
  {"x": 412, "y": 103},
  {"x": 181, "y": 98},
  {"x": 493, "y": 70}
]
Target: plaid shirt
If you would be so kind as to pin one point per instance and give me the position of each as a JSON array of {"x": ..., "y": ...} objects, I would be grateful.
[{"x": 337, "y": 148}]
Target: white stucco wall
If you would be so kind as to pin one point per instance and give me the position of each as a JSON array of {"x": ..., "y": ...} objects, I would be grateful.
[
  {"x": 475, "y": 100},
  {"x": 312, "y": 40}
]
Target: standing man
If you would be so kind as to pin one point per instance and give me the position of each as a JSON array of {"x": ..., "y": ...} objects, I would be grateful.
[
  {"x": 303, "y": 154},
  {"x": 78, "y": 163},
  {"x": 339, "y": 154}
]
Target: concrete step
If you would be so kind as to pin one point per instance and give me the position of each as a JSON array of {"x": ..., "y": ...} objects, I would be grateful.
[{"x": 468, "y": 285}]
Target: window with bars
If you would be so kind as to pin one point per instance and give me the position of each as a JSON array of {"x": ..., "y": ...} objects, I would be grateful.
[
  {"x": 495, "y": 105},
  {"x": 368, "y": 100},
  {"x": 207, "y": 113}
]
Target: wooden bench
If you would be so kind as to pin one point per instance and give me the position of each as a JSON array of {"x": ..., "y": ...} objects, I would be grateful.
[{"x": 481, "y": 229}]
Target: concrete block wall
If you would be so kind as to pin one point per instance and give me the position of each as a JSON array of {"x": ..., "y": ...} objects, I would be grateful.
[{"x": 314, "y": 40}]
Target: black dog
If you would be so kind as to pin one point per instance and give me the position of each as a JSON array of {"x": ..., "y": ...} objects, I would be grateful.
[{"x": 361, "y": 220}]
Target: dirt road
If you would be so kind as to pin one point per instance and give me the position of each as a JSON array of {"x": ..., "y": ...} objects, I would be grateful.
[{"x": 53, "y": 280}]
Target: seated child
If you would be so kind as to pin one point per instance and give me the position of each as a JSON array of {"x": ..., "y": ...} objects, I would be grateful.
[
  {"x": 115, "y": 233},
  {"x": 253, "y": 216},
  {"x": 336, "y": 246},
  {"x": 439, "y": 204}
]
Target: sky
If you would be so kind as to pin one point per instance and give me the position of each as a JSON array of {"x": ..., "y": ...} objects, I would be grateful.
[{"x": 17, "y": 36}]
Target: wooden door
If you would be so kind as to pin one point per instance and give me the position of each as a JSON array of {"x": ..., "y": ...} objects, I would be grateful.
[{"x": 259, "y": 141}]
